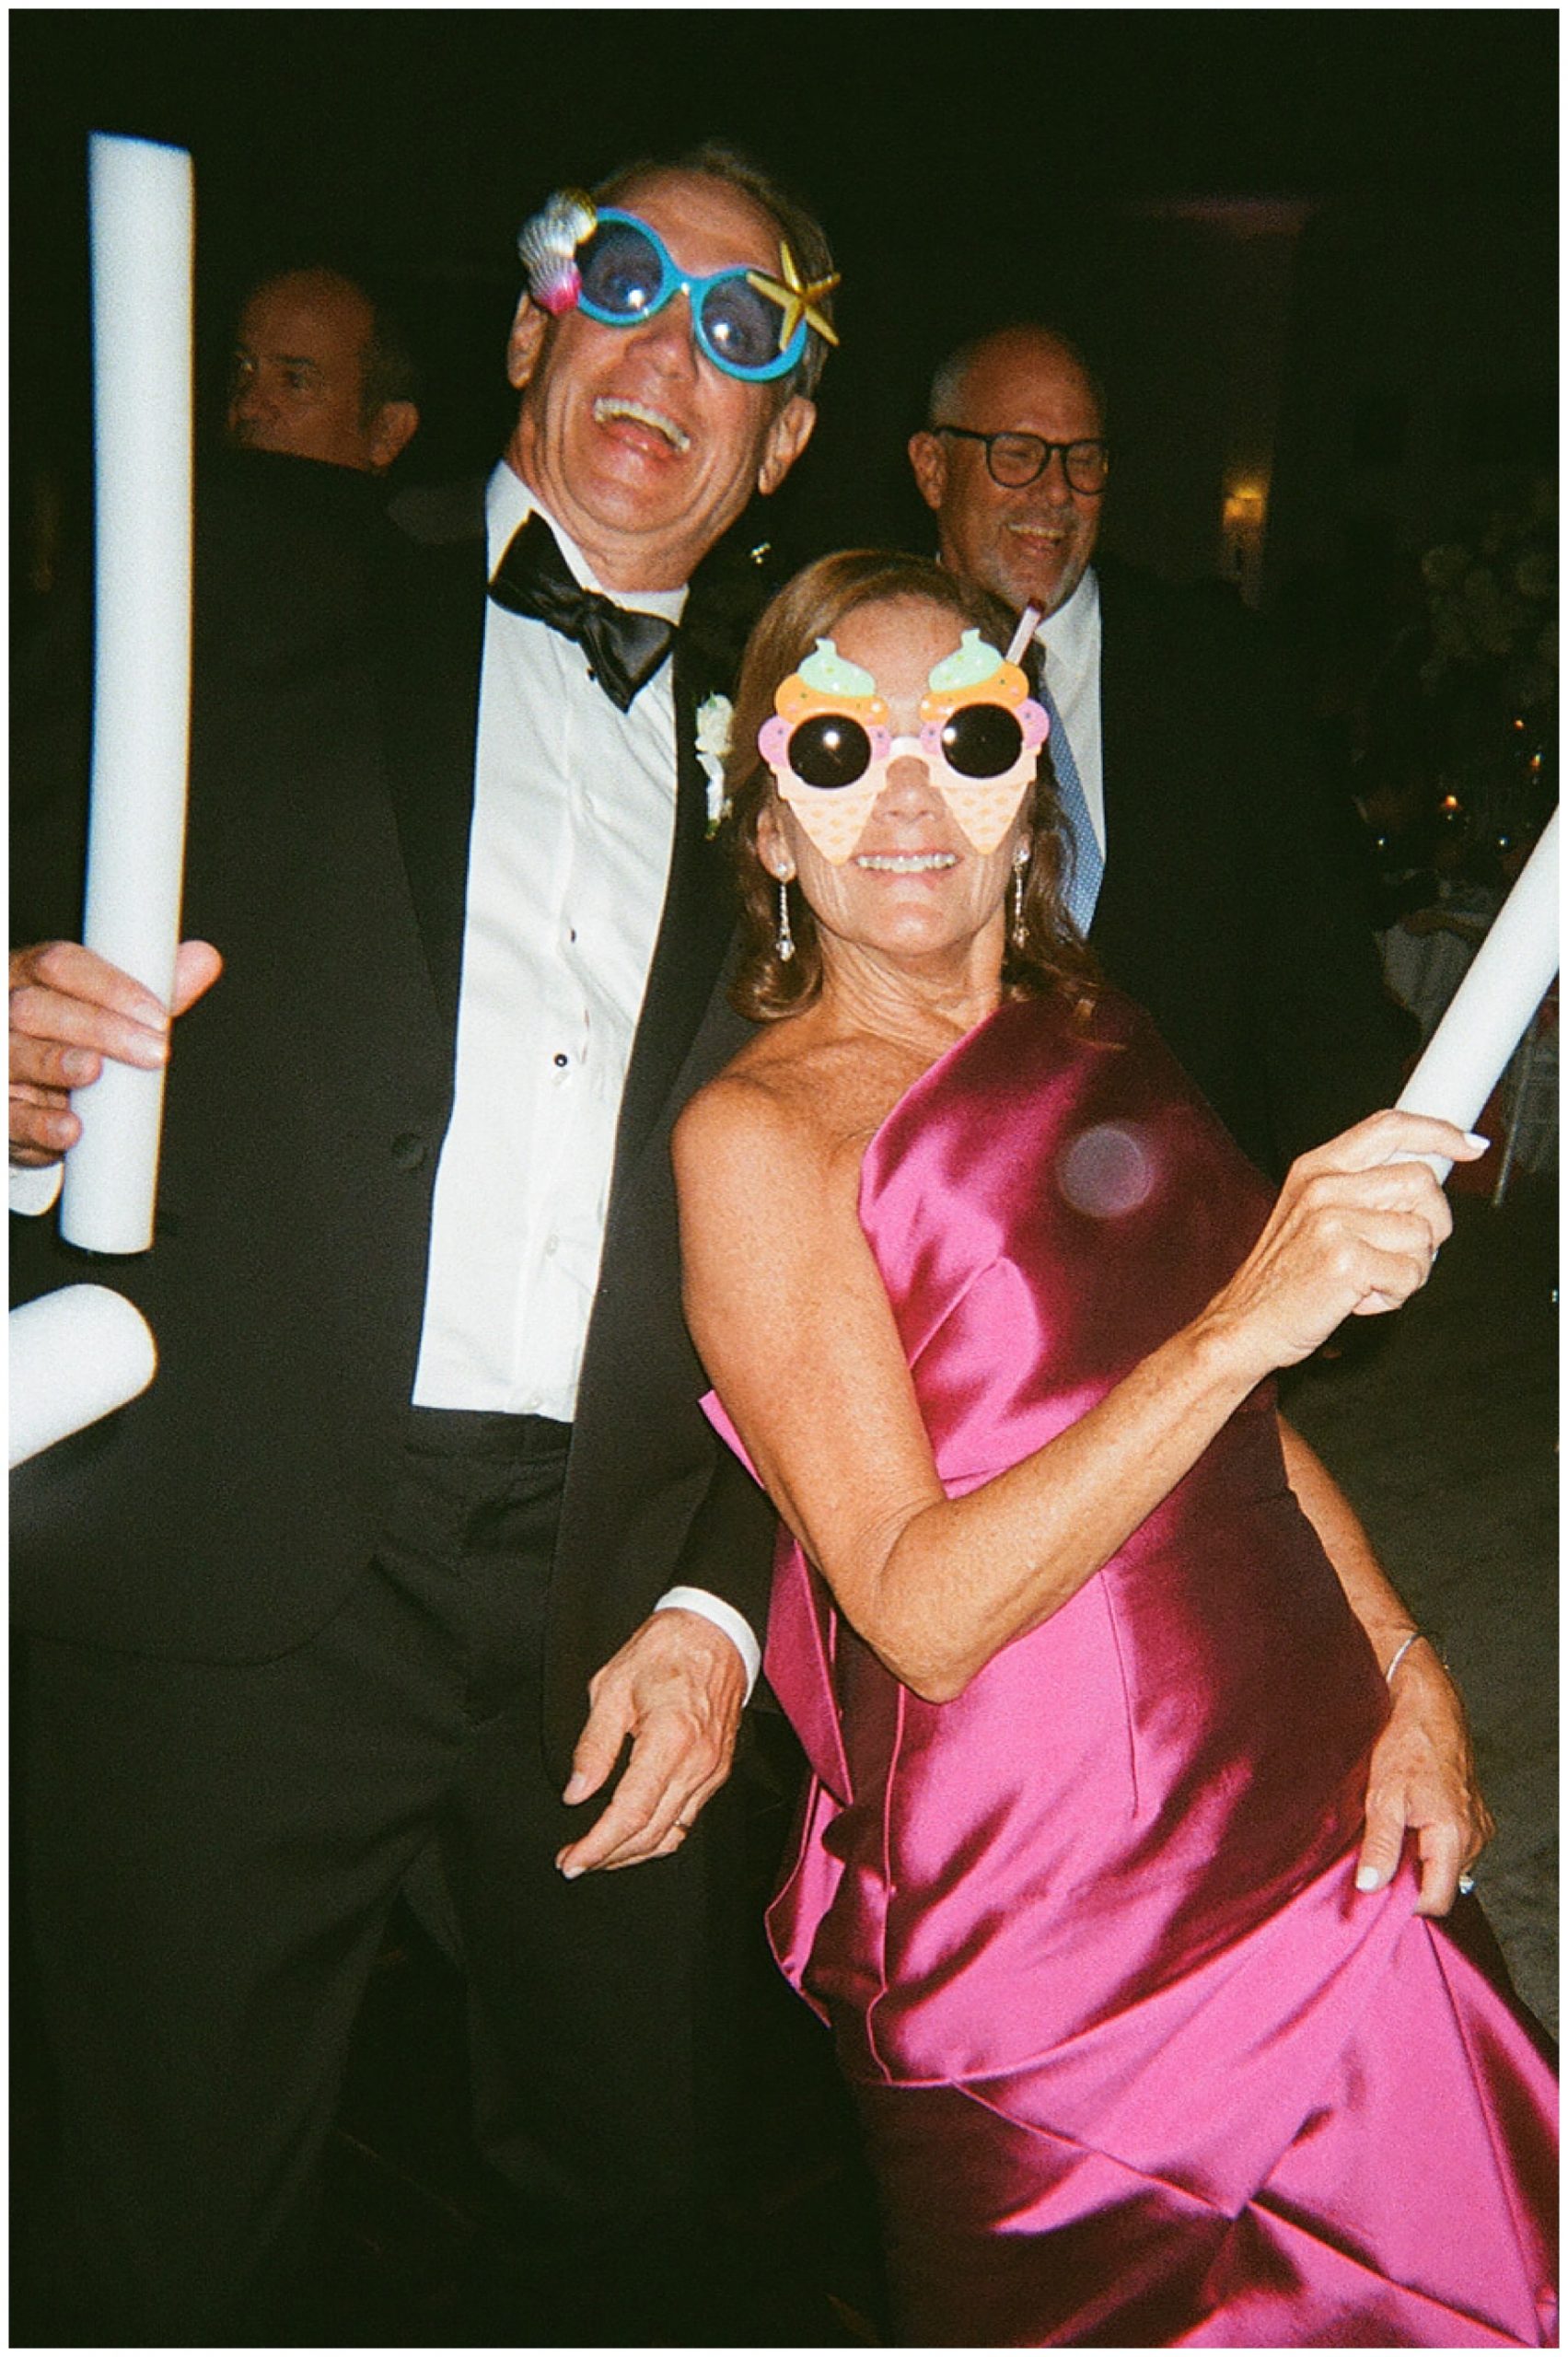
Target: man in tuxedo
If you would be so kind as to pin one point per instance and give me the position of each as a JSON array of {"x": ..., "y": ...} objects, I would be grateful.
[
  {"x": 419, "y": 1532},
  {"x": 1210, "y": 877}
]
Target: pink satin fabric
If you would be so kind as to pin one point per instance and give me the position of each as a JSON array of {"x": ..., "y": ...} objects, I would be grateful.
[{"x": 1137, "y": 2063}]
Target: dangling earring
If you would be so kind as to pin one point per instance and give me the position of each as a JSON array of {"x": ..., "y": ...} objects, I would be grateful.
[
  {"x": 783, "y": 940},
  {"x": 1021, "y": 867}
]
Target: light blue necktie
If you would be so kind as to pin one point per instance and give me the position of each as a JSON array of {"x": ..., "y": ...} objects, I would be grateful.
[{"x": 1088, "y": 860}]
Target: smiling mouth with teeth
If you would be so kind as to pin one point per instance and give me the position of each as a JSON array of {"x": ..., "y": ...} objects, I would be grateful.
[
  {"x": 638, "y": 412},
  {"x": 910, "y": 863}
]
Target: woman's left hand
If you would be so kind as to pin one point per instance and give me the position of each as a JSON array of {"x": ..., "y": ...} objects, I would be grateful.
[{"x": 1422, "y": 1782}]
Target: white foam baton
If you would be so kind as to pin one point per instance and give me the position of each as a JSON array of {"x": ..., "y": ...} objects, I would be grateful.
[
  {"x": 75, "y": 1355},
  {"x": 1494, "y": 1004},
  {"x": 142, "y": 216}
]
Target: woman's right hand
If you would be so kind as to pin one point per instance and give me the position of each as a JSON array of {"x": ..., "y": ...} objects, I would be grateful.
[{"x": 1354, "y": 1232}]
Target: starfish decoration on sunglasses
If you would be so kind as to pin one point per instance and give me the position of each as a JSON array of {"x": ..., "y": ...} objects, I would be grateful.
[{"x": 797, "y": 299}]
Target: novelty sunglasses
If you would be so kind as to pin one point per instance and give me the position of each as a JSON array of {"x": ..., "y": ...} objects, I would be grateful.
[
  {"x": 628, "y": 275},
  {"x": 830, "y": 749}
]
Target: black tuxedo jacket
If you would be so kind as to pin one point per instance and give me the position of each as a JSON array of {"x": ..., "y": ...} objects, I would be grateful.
[
  {"x": 223, "y": 1515},
  {"x": 1232, "y": 907}
]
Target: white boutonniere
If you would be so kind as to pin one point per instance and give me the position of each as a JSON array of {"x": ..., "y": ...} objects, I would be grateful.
[{"x": 715, "y": 716}]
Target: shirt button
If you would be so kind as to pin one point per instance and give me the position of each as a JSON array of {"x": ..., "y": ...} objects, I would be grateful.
[
  {"x": 408, "y": 1150},
  {"x": 552, "y": 1246},
  {"x": 561, "y": 1062}
]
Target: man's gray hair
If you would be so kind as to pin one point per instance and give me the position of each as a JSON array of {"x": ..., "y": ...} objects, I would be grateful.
[{"x": 948, "y": 380}]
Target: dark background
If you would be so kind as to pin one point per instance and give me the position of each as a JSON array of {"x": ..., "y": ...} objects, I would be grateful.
[
  {"x": 1321, "y": 244},
  {"x": 1314, "y": 249}
]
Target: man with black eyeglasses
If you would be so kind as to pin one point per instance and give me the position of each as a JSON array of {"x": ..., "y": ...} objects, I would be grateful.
[{"x": 1208, "y": 873}]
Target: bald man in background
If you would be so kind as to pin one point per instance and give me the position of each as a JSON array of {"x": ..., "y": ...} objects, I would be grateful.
[{"x": 1216, "y": 888}]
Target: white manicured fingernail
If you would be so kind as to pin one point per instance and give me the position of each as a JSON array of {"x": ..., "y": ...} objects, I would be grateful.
[
  {"x": 1479, "y": 1143},
  {"x": 1369, "y": 1878}
]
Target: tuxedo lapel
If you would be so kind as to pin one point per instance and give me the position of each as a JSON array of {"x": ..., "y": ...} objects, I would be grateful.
[
  {"x": 1163, "y": 830},
  {"x": 693, "y": 934},
  {"x": 1124, "y": 709},
  {"x": 430, "y": 650},
  {"x": 698, "y": 923}
]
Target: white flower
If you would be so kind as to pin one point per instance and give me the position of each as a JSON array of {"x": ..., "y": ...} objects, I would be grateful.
[{"x": 714, "y": 717}]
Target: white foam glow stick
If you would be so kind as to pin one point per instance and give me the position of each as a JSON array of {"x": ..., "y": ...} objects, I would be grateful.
[
  {"x": 1029, "y": 622},
  {"x": 142, "y": 212},
  {"x": 1491, "y": 1009},
  {"x": 75, "y": 1355}
]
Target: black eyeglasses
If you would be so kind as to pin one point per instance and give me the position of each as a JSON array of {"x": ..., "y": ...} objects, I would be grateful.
[{"x": 1016, "y": 460}]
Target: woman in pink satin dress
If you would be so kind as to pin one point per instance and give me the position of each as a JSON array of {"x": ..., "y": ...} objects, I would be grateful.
[{"x": 1115, "y": 1726}]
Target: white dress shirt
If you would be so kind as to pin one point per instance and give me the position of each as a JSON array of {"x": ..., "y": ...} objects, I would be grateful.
[
  {"x": 1071, "y": 640},
  {"x": 574, "y": 823}
]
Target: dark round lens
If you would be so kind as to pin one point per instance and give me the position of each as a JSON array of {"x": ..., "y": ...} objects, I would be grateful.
[
  {"x": 830, "y": 751},
  {"x": 982, "y": 741},
  {"x": 741, "y": 325},
  {"x": 1087, "y": 466},
  {"x": 1016, "y": 460},
  {"x": 620, "y": 270}
]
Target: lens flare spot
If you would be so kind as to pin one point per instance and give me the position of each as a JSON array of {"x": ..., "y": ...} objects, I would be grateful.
[{"x": 1107, "y": 1171}]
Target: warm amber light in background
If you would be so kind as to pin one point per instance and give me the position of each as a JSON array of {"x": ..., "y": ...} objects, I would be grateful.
[
  {"x": 1243, "y": 514},
  {"x": 1243, "y": 506}
]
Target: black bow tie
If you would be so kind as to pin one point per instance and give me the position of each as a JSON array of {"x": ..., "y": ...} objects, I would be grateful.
[{"x": 623, "y": 649}]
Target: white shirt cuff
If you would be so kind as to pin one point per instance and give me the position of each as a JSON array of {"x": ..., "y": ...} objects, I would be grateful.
[
  {"x": 33, "y": 1192},
  {"x": 722, "y": 1616}
]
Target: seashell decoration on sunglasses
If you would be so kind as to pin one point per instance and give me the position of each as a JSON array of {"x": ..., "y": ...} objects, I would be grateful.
[{"x": 547, "y": 247}]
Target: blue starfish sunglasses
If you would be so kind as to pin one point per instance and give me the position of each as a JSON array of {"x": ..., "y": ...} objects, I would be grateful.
[{"x": 628, "y": 275}]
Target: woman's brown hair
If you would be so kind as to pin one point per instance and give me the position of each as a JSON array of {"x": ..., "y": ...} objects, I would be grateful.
[{"x": 1051, "y": 955}]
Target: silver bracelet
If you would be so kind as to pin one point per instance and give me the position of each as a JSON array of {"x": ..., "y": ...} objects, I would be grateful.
[{"x": 1415, "y": 1637}]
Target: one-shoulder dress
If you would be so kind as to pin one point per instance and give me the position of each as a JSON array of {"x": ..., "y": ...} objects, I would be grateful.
[{"x": 1137, "y": 2064}]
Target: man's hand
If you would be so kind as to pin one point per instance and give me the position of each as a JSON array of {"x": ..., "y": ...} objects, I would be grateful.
[
  {"x": 676, "y": 1687},
  {"x": 1422, "y": 1782},
  {"x": 69, "y": 1009}
]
